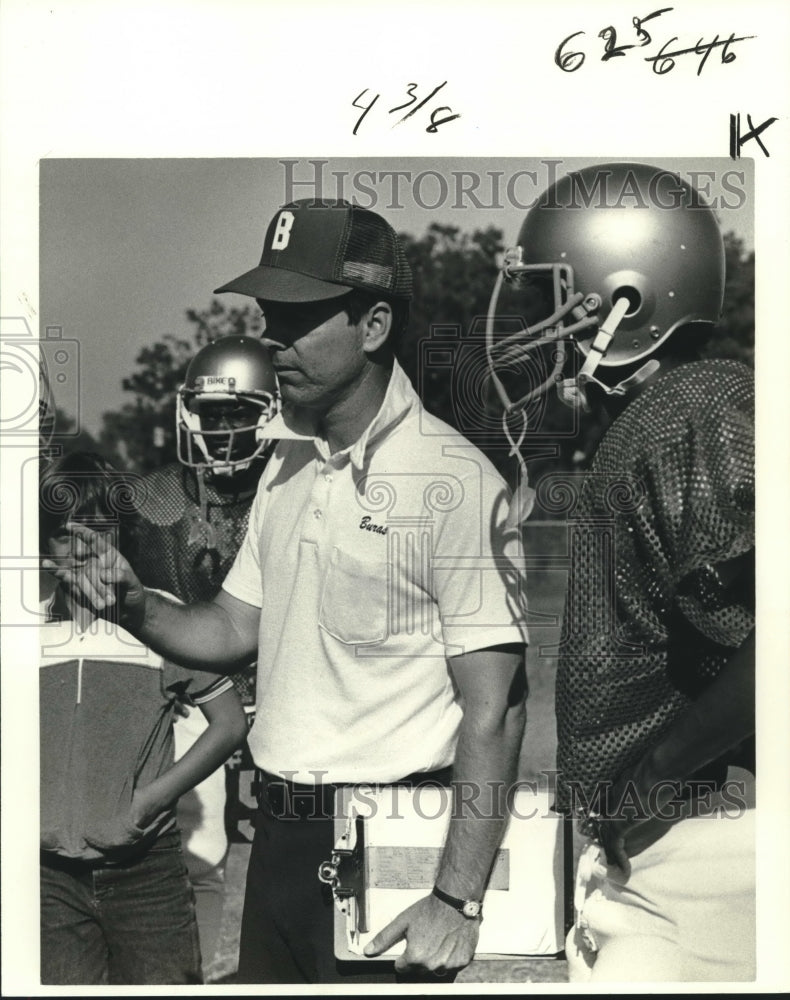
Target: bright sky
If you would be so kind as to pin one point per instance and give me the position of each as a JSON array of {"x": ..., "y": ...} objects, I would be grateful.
[{"x": 127, "y": 245}]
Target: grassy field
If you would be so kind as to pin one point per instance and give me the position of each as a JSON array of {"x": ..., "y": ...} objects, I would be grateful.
[{"x": 546, "y": 590}]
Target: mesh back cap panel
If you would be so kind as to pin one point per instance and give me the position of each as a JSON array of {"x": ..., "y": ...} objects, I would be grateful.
[{"x": 374, "y": 257}]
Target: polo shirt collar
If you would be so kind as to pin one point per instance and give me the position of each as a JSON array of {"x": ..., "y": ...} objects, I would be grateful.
[{"x": 291, "y": 424}]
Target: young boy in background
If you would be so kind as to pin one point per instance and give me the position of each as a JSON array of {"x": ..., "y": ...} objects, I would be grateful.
[{"x": 116, "y": 903}]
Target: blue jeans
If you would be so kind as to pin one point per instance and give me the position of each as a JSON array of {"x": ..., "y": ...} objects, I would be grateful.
[{"x": 131, "y": 923}]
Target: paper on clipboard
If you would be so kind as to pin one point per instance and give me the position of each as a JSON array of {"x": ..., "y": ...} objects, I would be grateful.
[{"x": 404, "y": 831}]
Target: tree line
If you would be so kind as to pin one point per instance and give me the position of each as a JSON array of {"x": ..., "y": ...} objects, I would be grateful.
[{"x": 442, "y": 350}]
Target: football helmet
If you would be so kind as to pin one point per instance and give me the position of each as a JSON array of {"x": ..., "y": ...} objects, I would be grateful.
[
  {"x": 228, "y": 396},
  {"x": 623, "y": 255}
]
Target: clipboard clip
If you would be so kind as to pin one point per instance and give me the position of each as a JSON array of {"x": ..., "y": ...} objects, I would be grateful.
[{"x": 345, "y": 874}]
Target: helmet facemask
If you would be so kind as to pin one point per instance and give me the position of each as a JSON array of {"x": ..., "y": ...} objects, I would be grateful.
[
  {"x": 538, "y": 352},
  {"x": 529, "y": 290},
  {"x": 632, "y": 255},
  {"x": 573, "y": 319},
  {"x": 222, "y": 431},
  {"x": 222, "y": 409}
]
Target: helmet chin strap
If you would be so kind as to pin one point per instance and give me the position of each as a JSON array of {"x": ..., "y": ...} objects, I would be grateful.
[
  {"x": 210, "y": 466},
  {"x": 572, "y": 391},
  {"x": 203, "y": 524},
  {"x": 523, "y": 499},
  {"x": 512, "y": 348},
  {"x": 228, "y": 470},
  {"x": 192, "y": 422}
]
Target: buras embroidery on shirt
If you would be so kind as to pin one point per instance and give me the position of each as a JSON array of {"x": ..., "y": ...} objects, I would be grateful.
[{"x": 367, "y": 525}]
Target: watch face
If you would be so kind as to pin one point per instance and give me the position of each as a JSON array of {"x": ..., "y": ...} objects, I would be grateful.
[{"x": 471, "y": 909}]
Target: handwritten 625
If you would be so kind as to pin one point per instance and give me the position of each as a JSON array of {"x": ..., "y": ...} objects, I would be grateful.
[
  {"x": 436, "y": 118},
  {"x": 569, "y": 60}
]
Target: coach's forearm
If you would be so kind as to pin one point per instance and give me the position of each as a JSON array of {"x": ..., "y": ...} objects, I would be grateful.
[
  {"x": 484, "y": 771},
  {"x": 201, "y": 635}
]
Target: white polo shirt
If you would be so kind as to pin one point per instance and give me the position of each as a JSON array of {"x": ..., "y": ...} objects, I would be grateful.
[{"x": 372, "y": 566}]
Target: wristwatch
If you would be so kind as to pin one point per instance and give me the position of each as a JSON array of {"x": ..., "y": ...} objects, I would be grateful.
[{"x": 470, "y": 908}]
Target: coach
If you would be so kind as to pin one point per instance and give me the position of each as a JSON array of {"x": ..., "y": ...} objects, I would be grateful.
[{"x": 374, "y": 583}]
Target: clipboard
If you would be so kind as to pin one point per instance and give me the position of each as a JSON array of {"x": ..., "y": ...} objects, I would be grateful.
[{"x": 388, "y": 845}]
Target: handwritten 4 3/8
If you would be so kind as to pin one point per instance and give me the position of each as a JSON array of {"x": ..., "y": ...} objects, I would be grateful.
[
  {"x": 664, "y": 61},
  {"x": 435, "y": 121}
]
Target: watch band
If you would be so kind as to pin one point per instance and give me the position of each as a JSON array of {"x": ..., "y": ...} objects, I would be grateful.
[{"x": 469, "y": 908}]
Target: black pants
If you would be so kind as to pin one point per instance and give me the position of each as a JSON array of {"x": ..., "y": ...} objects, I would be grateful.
[{"x": 287, "y": 931}]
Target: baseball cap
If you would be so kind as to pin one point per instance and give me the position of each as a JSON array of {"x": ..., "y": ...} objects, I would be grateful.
[{"x": 324, "y": 249}]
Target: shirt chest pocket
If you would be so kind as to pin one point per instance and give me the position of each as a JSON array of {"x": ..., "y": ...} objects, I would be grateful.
[{"x": 354, "y": 599}]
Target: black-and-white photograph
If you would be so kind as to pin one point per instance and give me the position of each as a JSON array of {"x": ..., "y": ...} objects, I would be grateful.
[
  {"x": 387, "y": 551},
  {"x": 450, "y": 414}
]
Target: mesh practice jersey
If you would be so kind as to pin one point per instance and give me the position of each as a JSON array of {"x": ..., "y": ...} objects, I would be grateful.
[
  {"x": 661, "y": 585},
  {"x": 184, "y": 554}
]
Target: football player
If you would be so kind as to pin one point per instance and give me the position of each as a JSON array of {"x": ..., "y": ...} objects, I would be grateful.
[
  {"x": 655, "y": 689},
  {"x": 192, "y": 524}
]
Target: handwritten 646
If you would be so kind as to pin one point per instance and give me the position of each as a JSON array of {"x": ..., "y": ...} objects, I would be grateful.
[
  {"x": 570, "y": 58},
  {"x": 413, "y": 103}
]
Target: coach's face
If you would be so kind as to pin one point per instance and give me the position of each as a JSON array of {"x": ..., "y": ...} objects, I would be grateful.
[{"x": 319, "y": 354}]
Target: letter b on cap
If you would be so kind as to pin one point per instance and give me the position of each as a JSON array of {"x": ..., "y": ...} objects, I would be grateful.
[{"x": 282, "y": 230}]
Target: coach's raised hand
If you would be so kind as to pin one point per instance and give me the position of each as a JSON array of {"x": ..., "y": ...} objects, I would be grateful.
[
  {"x": 97, "y": 577},
  {"x": 219, "y": 635}
]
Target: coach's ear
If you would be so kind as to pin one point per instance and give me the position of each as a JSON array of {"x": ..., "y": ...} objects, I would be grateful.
[{"x": 376, "y": 326}]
